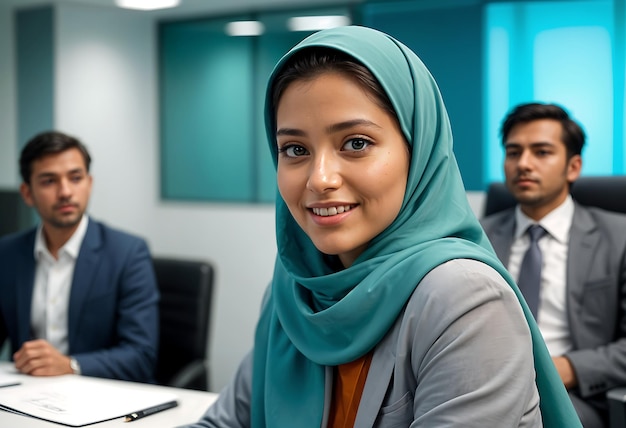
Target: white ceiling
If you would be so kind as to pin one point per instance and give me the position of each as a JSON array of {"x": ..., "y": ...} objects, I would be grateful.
[{"x": 197, "y": 7}]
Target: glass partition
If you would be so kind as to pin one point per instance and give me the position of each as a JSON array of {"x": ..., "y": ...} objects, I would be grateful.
[{"x": 212, "y": 91}]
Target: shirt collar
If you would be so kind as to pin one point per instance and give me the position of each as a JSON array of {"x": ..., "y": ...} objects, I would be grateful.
[
  {"x": 557, "y": 222},
  {"x": 71, "y": 247}
]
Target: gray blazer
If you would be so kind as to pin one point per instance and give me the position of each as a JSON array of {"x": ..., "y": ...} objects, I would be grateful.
[
  {"x": 596, "y": 292},
  {"x": 459, "y": 355}
]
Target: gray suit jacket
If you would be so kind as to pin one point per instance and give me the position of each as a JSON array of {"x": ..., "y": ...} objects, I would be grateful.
[
  {"x": 596, "y": 292},
  {"x": 459, "y": 355}
]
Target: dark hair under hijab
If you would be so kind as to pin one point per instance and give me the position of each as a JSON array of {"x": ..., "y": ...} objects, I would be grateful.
[{"x": 310, "y": 63}]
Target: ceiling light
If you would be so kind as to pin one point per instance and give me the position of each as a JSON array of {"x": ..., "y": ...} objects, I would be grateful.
[
  {"x": 314, "y": 23},
  {"x": 244, "y": 28},
  {"x": 147, "y": 4}
]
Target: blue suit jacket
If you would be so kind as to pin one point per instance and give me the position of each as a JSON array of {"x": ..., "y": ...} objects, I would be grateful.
[{"x": 113, "y": 309}]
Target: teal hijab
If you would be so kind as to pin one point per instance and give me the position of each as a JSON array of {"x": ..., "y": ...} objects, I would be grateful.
[{"x": 315, "y": 316}]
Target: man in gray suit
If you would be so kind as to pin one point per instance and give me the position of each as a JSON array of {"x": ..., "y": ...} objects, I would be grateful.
[{"x": 582, "y": 292}]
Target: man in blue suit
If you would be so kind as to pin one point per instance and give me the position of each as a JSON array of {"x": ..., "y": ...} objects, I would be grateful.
[
  {"x": 75, "y": 295},
  {"x": 580, "y": 295}
]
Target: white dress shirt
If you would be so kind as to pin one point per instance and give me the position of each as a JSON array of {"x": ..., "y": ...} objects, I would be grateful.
[
  {"x": 551, "y": 314},
  {"x": 51, "y": 293}
]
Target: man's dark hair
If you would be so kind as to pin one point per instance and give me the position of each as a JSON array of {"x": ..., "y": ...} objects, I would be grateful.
[
  {"x": 573, "y": 135},
  {"x": 45, "y": 144}
]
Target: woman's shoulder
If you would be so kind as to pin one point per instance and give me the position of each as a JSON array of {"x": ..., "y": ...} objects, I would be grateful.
[
  {"x": 459, "y": 286},
  {"x": 459, "y": 297},
  {"x": 463, "y": 276}
]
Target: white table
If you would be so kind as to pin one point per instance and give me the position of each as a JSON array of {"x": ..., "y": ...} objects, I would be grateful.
[{"x": 192, "y": 404}]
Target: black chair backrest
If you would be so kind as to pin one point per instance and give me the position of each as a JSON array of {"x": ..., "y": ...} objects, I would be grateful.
[
  {"x": 15, "y": 215},
  {"x": 186, "y": 288},
  {"x": 607, "y": 192}
]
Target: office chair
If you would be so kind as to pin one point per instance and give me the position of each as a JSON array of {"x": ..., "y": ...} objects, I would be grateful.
[
  {"x": 186, "y": 288},
  {"x": 608, "y": 193},
  {"x": 15, "y": 215}
]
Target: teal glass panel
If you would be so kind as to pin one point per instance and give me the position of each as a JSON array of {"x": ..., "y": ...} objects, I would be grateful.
[
  {"x": 497, "y": 97},
  {"x": 557, "y": 52},
  {"x": 207, "y": 112},
  {"x": 619, "y": 82},
  {"x": 212, "y": 93},
  {"x": 271, "y": 46},
  {"x": 572, "y": 89},
  {"x": 34, "y": 33},
  {"x": 448, "y": 37}
]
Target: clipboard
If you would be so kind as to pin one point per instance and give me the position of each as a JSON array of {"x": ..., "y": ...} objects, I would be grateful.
[{"x": 78, "y": 401}]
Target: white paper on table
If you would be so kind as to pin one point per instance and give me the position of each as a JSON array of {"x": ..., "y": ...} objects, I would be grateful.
[
  {"x": 9, "y": 377},
  {"x": 79, "y": 400}
]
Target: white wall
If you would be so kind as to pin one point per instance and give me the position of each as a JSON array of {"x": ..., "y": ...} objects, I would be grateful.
[{"x": 106, "y": 94}]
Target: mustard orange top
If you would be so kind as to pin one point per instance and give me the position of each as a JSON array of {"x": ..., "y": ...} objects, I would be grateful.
[{"x": 348, "y": 384}]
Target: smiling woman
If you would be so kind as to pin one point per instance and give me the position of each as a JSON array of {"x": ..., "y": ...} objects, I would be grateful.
[
  {"x": 343, "y": 163},
  {"x": 388, "y": 307}
]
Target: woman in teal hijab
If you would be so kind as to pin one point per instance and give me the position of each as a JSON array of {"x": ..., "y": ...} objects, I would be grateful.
[{"x": 387, "y": 307}]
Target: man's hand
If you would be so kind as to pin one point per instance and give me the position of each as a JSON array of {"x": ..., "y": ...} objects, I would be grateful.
[
  {"x": 564, "y": 367},
  {"x": 39, "y": 358}
]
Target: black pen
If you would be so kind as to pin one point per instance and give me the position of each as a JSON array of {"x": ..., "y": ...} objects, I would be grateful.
[
  {"x": 150, "y": 411},
  {"x": 10, "y": 384}
]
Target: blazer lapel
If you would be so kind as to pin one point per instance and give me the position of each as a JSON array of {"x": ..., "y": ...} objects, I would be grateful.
[
  {"x": 583, "y": 240},
  {"x": 378, "y": 378},
  {"x": 84, "y": 273},
  {"x": 502, "y": 237},
  {"x": 25, "y": 280}
]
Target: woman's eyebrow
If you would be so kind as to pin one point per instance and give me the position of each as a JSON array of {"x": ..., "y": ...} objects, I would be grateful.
[
  {"x": 291, "y": 132},
  {"x": 341, "y": 126},
  {"x": 336, "y": 127}
]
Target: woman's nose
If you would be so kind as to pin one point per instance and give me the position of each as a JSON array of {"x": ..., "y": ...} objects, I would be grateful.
[{"x": 325, "y": 174}]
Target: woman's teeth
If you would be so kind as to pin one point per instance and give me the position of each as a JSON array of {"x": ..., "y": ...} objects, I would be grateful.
[{"x": 325, "y": 212}]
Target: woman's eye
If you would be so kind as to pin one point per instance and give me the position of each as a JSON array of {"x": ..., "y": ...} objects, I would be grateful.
[
  {"x": 293, "y": 151},
  {"x": 356, "y": 145}
]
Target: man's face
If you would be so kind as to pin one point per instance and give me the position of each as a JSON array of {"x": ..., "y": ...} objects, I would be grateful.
[
  {"x": 537, "y": 170},
  {"x": 59, "y": 189}
]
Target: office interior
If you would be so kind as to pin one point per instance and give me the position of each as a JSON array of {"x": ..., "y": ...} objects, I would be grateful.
[{"x": 104, "y": 82}]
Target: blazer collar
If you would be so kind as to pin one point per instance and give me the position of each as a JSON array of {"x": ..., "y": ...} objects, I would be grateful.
[
  {"x": 84, "y": 274},
  {"x": 584, "y": 238},
  {"x": 379, "y": 374},
  {"x": 503, "y": 235},
  {"x": 25, "y": 268}
]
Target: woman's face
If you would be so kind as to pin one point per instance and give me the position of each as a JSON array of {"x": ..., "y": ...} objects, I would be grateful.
[{"x": 342, "y": 164}]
